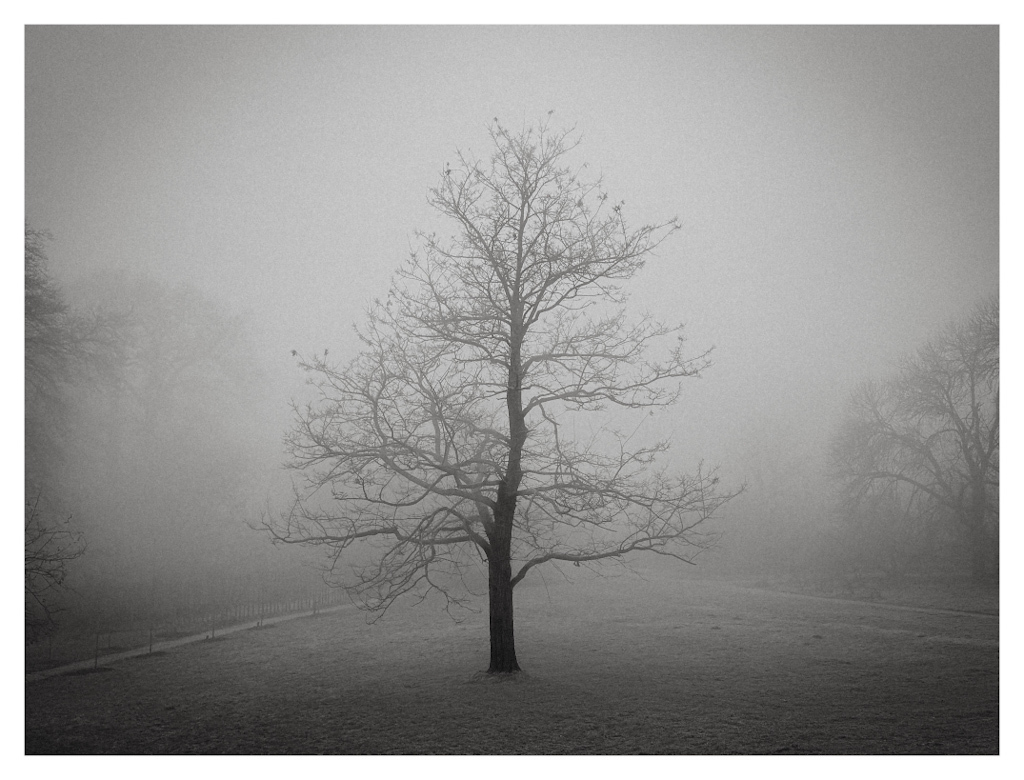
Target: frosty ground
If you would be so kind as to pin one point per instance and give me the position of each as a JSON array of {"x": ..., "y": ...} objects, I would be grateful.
[{"x": 615, "y": 665}]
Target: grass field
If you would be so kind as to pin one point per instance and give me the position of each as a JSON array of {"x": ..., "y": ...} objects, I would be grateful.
[{"x": 612, "y": 666}]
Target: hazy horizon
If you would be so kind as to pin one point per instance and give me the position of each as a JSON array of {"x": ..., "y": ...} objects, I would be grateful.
[{"x": 837, "y": 189}]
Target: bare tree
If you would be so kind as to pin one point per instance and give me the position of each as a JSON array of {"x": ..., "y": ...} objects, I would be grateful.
[
  {"x": 448, "y": 441},
  {"x": 49, "y": 547},
  {"x": 61, "y": 346},
  {"x": 929, "y": 438},
  {"x": 62, "y": 350}
]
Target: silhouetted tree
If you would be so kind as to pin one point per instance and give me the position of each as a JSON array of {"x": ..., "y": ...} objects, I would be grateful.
[
  {"x": 447, "y": 441},
  {"x": 928, "y": 439}
]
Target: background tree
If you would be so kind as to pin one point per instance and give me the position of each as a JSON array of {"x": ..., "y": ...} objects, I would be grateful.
[
  {"x": 925, "y": 445},
  {"x": 171, "y": 460},
  {"x": 64, "y": 351},
  {"x": 50, "y": 545},
  {"x": 447, "y": 441}
]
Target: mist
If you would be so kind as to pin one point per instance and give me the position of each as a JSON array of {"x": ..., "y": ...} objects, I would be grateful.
[{"x": 233, "y": 200}]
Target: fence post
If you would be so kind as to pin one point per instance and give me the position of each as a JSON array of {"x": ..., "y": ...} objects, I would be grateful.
[
  {"x": 151, "y": 640},
  {"x": 96, "y": 659}
]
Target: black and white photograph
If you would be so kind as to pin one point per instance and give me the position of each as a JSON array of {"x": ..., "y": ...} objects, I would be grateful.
[{"x": 511, "y": 389}]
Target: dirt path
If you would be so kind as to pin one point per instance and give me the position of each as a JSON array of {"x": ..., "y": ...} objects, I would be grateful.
[{"x": 168, "y": 644}]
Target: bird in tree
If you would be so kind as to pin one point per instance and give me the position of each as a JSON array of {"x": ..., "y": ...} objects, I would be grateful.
[{"x": 447, "y": 441}]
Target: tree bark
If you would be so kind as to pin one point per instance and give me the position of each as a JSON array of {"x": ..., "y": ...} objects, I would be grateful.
[{"x": 503, "y": 644}]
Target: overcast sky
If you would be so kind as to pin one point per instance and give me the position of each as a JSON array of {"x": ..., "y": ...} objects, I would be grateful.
[{"x": 837, "y": 187}]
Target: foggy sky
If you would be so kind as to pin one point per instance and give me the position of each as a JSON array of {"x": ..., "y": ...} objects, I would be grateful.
[{"x": 837, "y": 187}]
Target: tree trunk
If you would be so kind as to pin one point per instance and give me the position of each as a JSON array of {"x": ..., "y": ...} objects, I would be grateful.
[{"x": 503, "y": 645}]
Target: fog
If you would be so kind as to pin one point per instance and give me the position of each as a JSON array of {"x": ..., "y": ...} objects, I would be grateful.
[{"x": 837, "y": 190}]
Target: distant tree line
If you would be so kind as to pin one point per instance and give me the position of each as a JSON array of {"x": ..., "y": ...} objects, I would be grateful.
[
  {"x": 908, "y": 485},
  {"x": 140, "y": 470}
]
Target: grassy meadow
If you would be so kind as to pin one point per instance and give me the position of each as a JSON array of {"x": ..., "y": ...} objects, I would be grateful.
[{"x": 615, "y": 665}]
